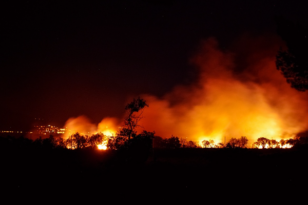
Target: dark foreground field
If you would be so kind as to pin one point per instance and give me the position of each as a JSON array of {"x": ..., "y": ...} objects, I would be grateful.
[{"x": 240, "y": 175}]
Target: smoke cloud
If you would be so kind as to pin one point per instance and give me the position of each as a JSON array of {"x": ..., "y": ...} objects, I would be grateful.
[
  {"x": 238, "y": 93},
  {"x": 84, "y": 126}
]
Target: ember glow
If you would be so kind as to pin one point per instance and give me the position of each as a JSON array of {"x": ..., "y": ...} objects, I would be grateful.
[{"x": 236, "y": 94}]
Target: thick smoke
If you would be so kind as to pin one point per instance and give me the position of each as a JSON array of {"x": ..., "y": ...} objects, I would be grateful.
[
  {"x": 84, "y": 126},
  {"x": 237, "y": 94}
]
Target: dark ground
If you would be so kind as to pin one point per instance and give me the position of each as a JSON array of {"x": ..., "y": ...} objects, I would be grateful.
[{"x": 231, "y": 175}]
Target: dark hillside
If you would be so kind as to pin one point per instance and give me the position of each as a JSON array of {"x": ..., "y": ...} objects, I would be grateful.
[{"x": 175, "y": 173}]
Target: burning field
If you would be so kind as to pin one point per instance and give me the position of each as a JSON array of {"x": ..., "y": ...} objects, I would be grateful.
[{"x": 239, "y": 92}]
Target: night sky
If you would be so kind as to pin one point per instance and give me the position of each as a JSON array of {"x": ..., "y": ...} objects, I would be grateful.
[{"x": 60, "y": 60}]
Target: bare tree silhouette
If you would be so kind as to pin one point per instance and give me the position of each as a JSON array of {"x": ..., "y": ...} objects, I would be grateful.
[{"x": 133, "y": 117}]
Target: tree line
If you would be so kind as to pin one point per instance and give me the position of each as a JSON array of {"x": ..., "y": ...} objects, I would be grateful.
[
  {"x": 128, "y": 138},
  {"x": 148, "y": 140}
]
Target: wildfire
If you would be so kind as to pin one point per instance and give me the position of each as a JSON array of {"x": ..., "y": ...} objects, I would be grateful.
[
  {"x": 210, "y": 144},
  {"x": 233, "y": 97},
  {"x": 236, "y": 94},
  {"x": 267, "y": 146},
  {"x": 282, "y": 145},
  {"x": 102, "y": 146},
  {"x": 82, "y": 125},
  {"x": 108, "y": 133}
]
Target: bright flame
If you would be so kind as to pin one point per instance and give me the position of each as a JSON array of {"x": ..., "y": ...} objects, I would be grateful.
[
  {"x": 210, "y": 143},
  {"x": 108, "y": 133},
  {"x": 234, "y": 97},
  {"x": 82, "y": 125},
  {"x": 238, "y": 93},
  {"x": 102, "y": 146},
  {"x": 267, "y": 146}
]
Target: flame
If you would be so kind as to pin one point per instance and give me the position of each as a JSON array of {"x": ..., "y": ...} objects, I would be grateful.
[
  {"x": 267, "y": 146},
  {"x": 108, "y": 133},
  {"x": 212, "y": 143},
  {"x": 238, "y": 93},
  {"x": 233, "y": 97},
  {"x": 102, "y": 146},
  {"x": 82, "y": 125}
]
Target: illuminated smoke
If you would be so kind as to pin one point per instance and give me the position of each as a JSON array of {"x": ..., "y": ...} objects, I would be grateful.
[
  {"x": 238, "y": 93},
  {"x": 225, "y": 102},
  {"x": 82, "y": 125}
]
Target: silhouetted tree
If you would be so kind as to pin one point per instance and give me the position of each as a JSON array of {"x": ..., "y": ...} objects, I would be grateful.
[
  {"x": 38, "y": 142},
  {"x": 158, "y": 142},
  {"x": 183, "y": 142},
  {"x": 173, "y": 143},
  {"x": 273, "y": 143},
  {"x": 116, "y": 142},
  {"x": 49, "y": 143},
  {"x": 132, "y": 119},
  {"x": 220, "y": 145},
  {"x": 191, "y": 144},
  {"x": 301, "y": 139},
  {"x": 293, "y": 61},
  {"x": 291, "y": 142},
  {"x": 243, "y": 142},
  {"x": 206, "y": 143},
  {"x": 77, "y": 138},
  {"x": 240, "y": 143},
  {"x": 256, "y": 145},
  {"x": 143, "y": 141},
  {"x": 59, "y": 142},
  {"x": 76, "y": 141},
  {"x": 261, "y": 142},
  {"x": 282, "y": 142},
  {"x": 111, "y": 143},
  {"x": 95, "y": 140},
  {"x": 140, "y": 148},
  {"x": 233, "y": 142},
  {"x": 212, "y": 144}
]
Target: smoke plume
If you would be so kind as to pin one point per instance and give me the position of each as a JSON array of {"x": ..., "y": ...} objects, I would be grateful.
[{"x": 238, "y": 93}]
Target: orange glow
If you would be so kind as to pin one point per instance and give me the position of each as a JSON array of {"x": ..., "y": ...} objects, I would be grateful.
[
  {"x": 108, "y": 133},
  {"x": 79, "y": 124},
  {"x": 211, "y": 143},
  {"x": 233, "y": 97},
  {"x": 102, "y": 146},
  {"x": 267, "y": 146},
  {"x": 253, "y": 101},
  {"x": 82, "y": 125}
]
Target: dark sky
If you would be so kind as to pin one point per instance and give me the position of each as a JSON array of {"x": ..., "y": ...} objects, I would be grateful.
[{"x": 64, "y": 59}]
